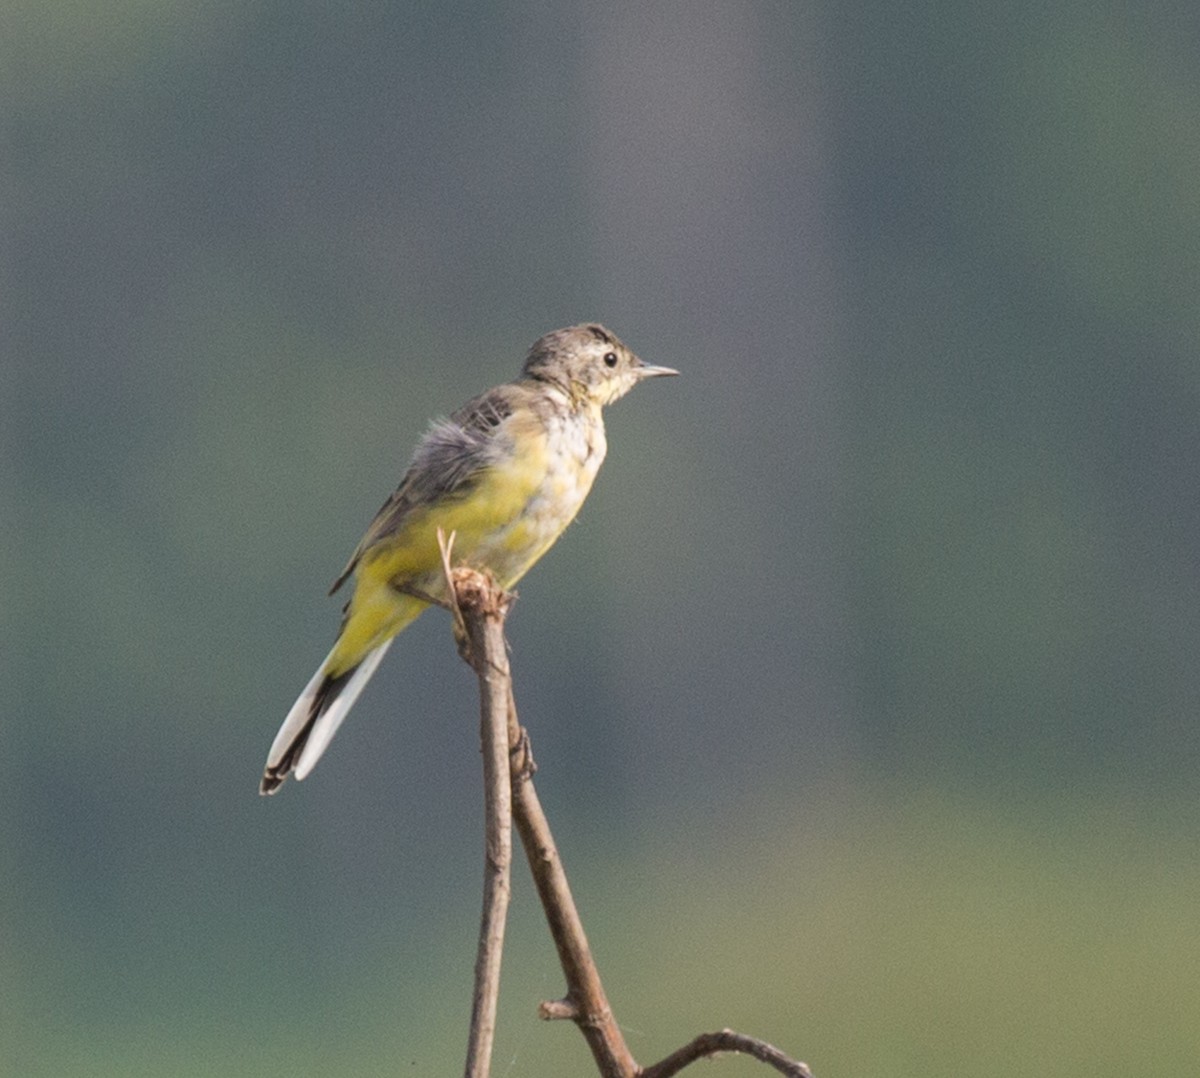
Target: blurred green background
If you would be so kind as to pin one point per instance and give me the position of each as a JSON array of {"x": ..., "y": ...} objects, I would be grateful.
[{"x": 865, "y": 689}]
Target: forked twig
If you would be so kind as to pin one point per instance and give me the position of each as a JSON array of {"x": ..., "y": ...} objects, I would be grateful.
[{"x": 484, "y": 606}]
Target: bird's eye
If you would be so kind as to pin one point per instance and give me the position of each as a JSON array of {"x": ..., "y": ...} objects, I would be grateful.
[{"x": 610, "y": 359}]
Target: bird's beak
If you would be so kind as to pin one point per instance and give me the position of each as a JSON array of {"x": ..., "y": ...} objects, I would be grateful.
[{"x": 648, "y": 370}]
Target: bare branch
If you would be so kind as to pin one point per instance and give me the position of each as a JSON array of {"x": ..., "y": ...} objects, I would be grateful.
[
  {"x": 483, "y": 623},
  {"x": 508, "y": 771},
  {"x": 726, "y": 1040}
]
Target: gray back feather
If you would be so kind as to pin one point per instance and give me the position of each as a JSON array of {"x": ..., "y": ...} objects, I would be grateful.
[
  {"x": 449, "y": 459},
  {"x": 454, "y": 451}
]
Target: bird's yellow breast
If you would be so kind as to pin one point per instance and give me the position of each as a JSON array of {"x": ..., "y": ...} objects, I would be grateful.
[
  {"x": 554, "y": 480},
  {"x": 505, "y": 520}
]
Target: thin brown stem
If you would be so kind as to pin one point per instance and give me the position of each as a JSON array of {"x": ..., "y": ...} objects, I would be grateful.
[{"x": 483, "y": 623}]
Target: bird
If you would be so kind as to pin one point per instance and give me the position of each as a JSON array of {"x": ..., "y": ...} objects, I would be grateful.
[{"x": 505, "y": 473}]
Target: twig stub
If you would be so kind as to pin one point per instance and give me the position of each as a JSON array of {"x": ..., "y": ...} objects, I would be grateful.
[
  {"x": 478, "y": 593},
  {"x": 551, "y": 1010}
]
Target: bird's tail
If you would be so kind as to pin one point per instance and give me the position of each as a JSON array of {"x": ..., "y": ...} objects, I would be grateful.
[{"x": 315, "y": 718}]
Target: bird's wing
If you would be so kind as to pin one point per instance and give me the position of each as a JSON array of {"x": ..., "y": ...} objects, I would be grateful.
[{"x": 448, "y": 462}]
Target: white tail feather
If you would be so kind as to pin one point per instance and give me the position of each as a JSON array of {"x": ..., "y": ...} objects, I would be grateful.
[{"x": 327, "y": 725}]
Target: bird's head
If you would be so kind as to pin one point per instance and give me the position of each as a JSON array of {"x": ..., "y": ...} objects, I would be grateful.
[{"x": 588, "y": 363}]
